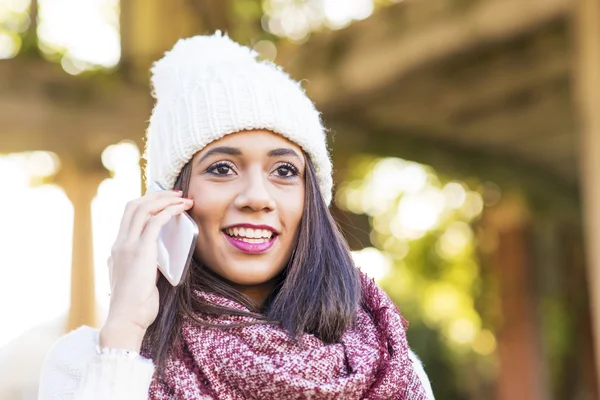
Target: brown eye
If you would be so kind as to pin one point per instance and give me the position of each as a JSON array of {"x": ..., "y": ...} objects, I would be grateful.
[
  {"x": 286, "y": 171},
  {"x": 221, "y": 168}
]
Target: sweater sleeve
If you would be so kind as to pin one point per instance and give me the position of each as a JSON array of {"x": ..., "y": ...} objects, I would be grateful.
[
  {"x": 73, "y": 370},
  {"x": 418, "y": 366}
]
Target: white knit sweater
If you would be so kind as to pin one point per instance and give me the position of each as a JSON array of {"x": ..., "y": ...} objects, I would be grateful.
[{"x": 74, "y": 371}]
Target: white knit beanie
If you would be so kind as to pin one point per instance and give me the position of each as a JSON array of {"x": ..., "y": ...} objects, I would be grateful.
[{"x": 209, "y": 86}]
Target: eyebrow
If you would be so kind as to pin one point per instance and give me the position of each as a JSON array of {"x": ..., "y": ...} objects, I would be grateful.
[
  {"x": 232, "y": 151},
  {"x": 283, "y": 152}
]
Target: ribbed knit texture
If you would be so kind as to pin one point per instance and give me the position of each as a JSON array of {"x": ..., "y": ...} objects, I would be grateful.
[{"x": 207, "y": 87}]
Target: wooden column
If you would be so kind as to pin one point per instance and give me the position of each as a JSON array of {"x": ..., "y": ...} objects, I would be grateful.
[
  {"x": 148, "y": 29},
  {"x": 586, "y": 75},
  {"x": 81, "y": 185},
  {"x": 521, "y": 372}
]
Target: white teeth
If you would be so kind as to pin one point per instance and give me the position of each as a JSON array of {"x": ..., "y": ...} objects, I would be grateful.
[{"x": 251, "y": 235}]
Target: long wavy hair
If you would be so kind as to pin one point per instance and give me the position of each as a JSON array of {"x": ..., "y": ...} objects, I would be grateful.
[{"x": 318, "y": 292}]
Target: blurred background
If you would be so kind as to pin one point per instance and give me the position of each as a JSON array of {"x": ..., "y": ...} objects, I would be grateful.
[{"x": 465, "y": 136}]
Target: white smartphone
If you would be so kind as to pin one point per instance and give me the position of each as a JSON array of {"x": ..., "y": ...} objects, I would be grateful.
[{"x": 176, "y": 243}]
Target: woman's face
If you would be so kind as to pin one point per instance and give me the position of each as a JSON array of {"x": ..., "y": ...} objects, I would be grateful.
[{"x": 248, "y": 191}]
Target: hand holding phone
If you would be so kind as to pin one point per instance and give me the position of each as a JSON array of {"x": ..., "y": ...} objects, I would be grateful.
[
  {"x": 176, "y": 243},
  {"x": 132, "y": 268}
]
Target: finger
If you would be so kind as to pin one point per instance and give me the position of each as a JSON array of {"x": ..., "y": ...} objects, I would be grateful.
[
  {"x": 154, "y": 225},
  {"x": 132, "y": 206},
  {"x": 126, "y": 219},
  {"x": 148, "y": 210}
]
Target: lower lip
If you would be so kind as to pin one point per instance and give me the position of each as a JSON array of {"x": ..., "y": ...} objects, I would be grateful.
[{"x": 251, "y": 248}]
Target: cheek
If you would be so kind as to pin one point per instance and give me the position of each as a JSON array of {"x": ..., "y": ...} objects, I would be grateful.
[
  {"x": 208, "y": 211},
  {"x": 209, "y": 206},
  {"x": 291, "y": 209}
]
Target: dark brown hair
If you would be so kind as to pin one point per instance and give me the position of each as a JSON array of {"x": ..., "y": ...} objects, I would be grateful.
[{"x": 318, "y": 291}]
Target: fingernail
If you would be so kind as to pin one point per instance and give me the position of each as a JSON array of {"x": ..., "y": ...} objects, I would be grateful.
[{"x": 178, "y": 191}]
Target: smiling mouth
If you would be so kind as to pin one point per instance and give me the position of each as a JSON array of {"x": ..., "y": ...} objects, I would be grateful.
[
  {"x": 249, "y": 240},
  {"x": 249, "y": 235}
]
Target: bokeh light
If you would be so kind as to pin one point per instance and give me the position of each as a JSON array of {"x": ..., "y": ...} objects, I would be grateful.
[
  {"x": 340, "y": 13},
  {"x": 484, "y": 343},
  {"x": 422, "y": 226},
  {"x": 36, "y": 235},
  {"x": 455, "y": 194},
  {"x": 82, "y": 34},
  {"x": 120, "y": 157},
  {"x": 10, "y": 44},
  {"x": 14, "y": 20},
  {"x": 473, "y": 205},
  {"x": 455, "y": 239},
  {"x": 418, "y": 213},
  {"x": 462, "y": 331},
  {"x": 372, "y": 262},
  {"x": 42, "y": 163},
  {"x": 296, "y": 20},
  {"x": 266, "y": 49}
]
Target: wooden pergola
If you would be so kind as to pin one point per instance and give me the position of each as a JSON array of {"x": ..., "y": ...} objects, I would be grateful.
[{"x": 507, "y": 90}]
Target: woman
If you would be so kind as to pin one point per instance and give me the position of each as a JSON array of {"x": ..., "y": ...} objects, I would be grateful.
[{"x": 272, "y": 306}]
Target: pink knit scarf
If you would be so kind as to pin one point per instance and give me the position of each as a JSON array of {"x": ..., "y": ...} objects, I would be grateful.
[{"x": 371, "y": 361}]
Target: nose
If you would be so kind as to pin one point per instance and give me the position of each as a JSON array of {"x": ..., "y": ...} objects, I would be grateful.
[{"x": 255, "y": 195}]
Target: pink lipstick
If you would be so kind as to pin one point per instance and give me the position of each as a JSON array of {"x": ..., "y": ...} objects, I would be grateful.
[{"x": 251, "y": 248}]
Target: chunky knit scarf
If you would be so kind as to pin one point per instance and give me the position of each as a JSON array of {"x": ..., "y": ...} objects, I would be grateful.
[{"x": 371, "y": 361}]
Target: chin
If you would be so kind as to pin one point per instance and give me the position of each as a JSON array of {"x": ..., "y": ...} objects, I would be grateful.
[{"x": 248, "y": 274}]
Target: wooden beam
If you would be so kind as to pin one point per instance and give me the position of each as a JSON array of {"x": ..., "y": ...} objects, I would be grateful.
[
  {"x": 520, "y": 110},
  {"x": 586, "y": 25},
  {"x": 535, "y": 114},
  {"x": 75, "y": 116},
  {"x": 363, "y": 66},
  {"x": 37, "y": 124}
]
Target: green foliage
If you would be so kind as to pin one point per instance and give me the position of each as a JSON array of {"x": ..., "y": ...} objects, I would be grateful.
[
  {"x": 14, "y": 28},
  {"x": 435, "y": 275},
  {"x": 247, "y": 15}
]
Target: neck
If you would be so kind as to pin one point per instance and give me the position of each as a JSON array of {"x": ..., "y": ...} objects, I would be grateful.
[{"x": 258, "y": 293}]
